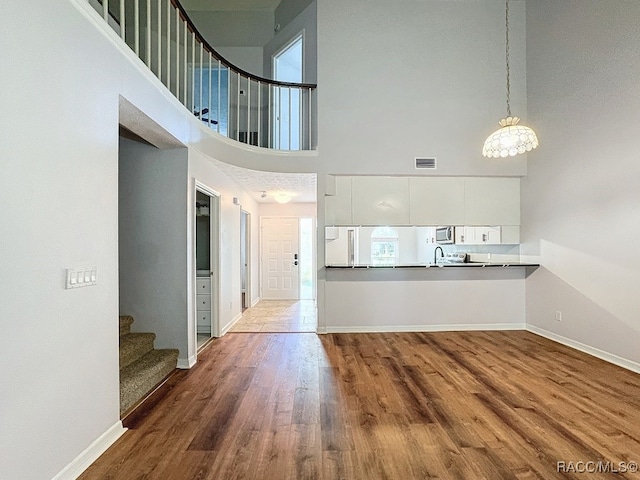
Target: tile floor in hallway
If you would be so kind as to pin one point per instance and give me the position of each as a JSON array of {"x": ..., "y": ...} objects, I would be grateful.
[{"x": 278, "y": 316}]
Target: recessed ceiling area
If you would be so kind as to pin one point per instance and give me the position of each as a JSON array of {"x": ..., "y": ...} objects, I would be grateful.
[{"x": 301, "y": 187}]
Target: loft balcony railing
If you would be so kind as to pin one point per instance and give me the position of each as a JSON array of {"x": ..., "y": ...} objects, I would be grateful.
[{"x": 241, "y": 106}]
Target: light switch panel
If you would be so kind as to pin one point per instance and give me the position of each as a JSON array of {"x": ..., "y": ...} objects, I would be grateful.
[{"x": 81, "y": 277}]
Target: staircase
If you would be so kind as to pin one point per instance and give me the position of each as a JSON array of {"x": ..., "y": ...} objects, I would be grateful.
[{"x": 142, "y": 367}]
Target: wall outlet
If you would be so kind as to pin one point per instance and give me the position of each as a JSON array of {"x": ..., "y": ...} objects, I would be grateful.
[{"x": 558, "y": 315}]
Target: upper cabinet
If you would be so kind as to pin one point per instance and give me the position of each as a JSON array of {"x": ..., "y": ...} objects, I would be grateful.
[
  {"x": 472, "y": 201},
  {"x": 491, "y": 201},
  {"x": 436, "y": 200},
  {"x": 338, "y": 206},
  {"x": 380, "y": 200}
]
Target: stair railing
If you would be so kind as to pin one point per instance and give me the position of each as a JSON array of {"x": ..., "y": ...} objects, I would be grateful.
[{"x": 237, "y": 104}]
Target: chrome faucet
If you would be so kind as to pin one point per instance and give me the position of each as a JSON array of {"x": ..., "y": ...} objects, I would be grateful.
[{"x": 435, "y": 254}]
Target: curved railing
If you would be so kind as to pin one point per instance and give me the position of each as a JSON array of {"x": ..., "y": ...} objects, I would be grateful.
[{"x": 236, "y": 104}]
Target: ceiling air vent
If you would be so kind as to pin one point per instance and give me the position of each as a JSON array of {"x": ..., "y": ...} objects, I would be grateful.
[{"x": 429, "y": 163}]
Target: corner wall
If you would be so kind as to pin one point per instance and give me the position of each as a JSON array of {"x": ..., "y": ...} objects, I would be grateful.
[{"x": 580, "y": 200}]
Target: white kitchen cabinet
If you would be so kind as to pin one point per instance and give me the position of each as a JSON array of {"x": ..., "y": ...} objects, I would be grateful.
[
  {"x": 492, "y": 201},
  {"x": 380, "y": 200},
  {"x": 338, "y": 207},
  {"x": 465, "y": 235},
  {"x": 478, "y": 235},
  {"x": 436, "y": 200}
]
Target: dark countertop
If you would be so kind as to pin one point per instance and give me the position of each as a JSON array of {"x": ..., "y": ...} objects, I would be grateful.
[{"x": 439, "y": 265}]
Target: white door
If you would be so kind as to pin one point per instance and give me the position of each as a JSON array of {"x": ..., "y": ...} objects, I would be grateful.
[{"x": 279, "y": 245}]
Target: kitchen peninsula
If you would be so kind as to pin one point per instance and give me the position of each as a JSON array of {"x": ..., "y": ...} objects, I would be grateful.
[{"x": 381, "y": 272}]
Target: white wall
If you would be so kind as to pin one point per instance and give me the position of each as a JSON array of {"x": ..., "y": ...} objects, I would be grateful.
[
  {"x": 372, "y": 300},
  {"x": 288, "y": 10},
  {"x": 580, "y": 199},
  {"x": 153, "y": 242},
  {"x": 248, "y": 59},
  {"x": 416, "y": 78},
  {"x": 234, "y": 28},
  {"x": 291, "y": 209}
]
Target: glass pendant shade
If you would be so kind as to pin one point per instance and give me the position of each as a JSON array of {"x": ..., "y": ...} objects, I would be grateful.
[{"x": 510, "y": 140}]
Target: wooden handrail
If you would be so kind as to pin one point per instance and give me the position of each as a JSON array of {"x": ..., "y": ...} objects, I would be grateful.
[{"x": 191, "y": 26}]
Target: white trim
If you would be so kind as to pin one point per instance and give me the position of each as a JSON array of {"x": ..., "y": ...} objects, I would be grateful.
[
  {"x": 91, "y": 453},
  {"x": 422, "y": 328},
  {"x": 255, "y": 302},
  {"x": 230, "y": 325},
  {"x": 593, "y": 351},
  {"x": 186, "y": 363}
]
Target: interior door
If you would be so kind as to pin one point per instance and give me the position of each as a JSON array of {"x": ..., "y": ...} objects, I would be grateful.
[{"x": 279, "y": 246}]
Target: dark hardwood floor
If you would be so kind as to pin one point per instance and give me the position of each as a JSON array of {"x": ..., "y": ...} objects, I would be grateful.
[{"x": 455, "y": 405}]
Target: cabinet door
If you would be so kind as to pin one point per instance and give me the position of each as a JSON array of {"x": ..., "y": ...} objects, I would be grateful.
[
  {"x": 465, "y": 235},
  {"x": 380, "y": 200},
  {"x": 338, "y": 207},
  {"x": 487, "y": 235},
  {"x": 492, "y": 201},
  {"x": 436, "y": 200}
]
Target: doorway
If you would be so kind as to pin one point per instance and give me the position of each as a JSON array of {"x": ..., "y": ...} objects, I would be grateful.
[
  {"x": 207, "y": 237},
  {"x": 287, "y": 115},
  {"x": 307, "y": 258},
  {"x": 245, "y": 254}
]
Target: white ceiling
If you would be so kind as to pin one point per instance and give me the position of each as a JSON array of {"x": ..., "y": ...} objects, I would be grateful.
[
  {"x": 301, "y": 187},
  {"x": 230, "y": 5}
]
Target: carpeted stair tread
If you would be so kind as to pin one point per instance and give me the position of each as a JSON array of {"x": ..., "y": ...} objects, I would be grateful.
[
  {"x": 125, "y": 324},
  {"x": 142, "y": 376},
  {"x": 134, "y": 346}
]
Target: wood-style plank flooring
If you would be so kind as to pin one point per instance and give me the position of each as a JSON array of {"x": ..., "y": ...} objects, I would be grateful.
[{"x": 454, "y": 405}]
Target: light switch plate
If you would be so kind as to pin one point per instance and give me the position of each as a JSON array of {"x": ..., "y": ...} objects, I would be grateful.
[{"x": 81, "y": 277}]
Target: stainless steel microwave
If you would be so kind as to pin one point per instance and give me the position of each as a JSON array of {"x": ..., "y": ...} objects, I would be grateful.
[{"x": 445, "y": 235}]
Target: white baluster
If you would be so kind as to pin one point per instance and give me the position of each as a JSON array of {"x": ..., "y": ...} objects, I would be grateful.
[
  {"x": 136, "y": 26},
  {"x": 122, "y": 21},
  {"x": 148, "y": 36}
]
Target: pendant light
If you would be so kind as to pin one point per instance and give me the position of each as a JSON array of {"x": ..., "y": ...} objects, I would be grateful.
[{"x": 511, "y": 139}]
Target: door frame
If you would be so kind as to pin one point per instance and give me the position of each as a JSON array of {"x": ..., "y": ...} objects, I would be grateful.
[
  {"x": 247, "y": 253},
  {"x": 214, "y": 257}
]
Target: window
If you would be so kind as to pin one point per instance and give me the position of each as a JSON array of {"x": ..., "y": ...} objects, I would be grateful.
[{"x": 384, "y": 246}]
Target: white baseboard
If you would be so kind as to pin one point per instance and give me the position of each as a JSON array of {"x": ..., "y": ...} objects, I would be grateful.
[
  {"x": 593, "y": 351},
  {"x": 423, "y": 328},
  {"x": 230, "y": 325},
  {"x": 255, "y": 302},
  {"x": 186, "y": 363},
  {"x": 91, "y": 453}
]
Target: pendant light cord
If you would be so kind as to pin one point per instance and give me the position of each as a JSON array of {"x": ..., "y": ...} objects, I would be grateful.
[{"x": 507, "y": 58}]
